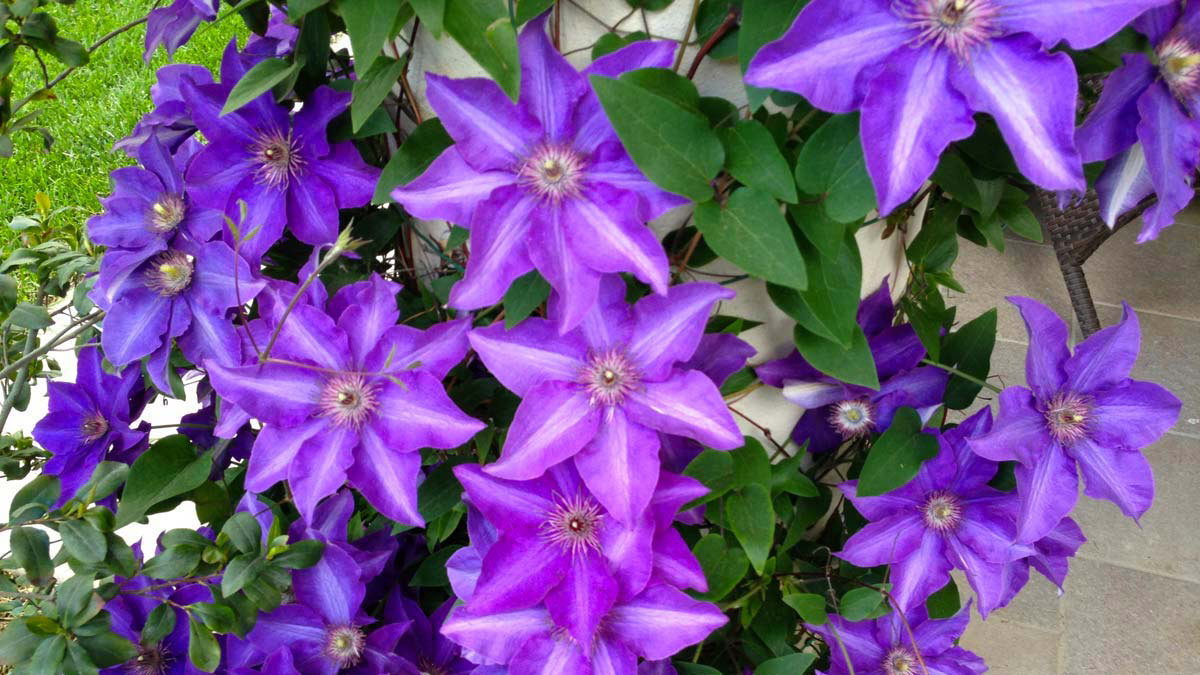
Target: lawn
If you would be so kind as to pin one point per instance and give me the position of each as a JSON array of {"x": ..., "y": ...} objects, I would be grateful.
[{"x": 96, "y": 105}]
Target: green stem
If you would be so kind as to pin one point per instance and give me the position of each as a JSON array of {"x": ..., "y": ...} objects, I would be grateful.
[
  {"x": 955, "y": 371},
  {"x": 687, "y": 35},
  {"x": 67, "y": 335},
  {"x": 22, "y": 376}
]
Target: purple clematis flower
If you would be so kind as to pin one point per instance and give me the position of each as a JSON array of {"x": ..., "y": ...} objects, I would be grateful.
[
  {"x": 920, "y": 69},
  {"x": 349, "y": 395},
  {"x": 172, "y": 26},
  {"x": 423, "y": 647},
  {"x": 544, "y": 183},
  {"x": 883, "y": 647},
  {"x": 1147, "y": 123},
  {"x": 1079, "y": 408},
  {"x": 278, "y": 40},
  {"x": 171, "y": 119},
  {"x": 129, "y": 611},
  {"x": 330, "y": 523},
  {"x": 281, "y": 165},
  {"x": 324, "y": 629},
  {"x": 89, "y": 421},
  {"x": 946, "y": 517},
  {"x": 599, "y": 393},
  {"x": 655, "y": 624},
  {"x": 835, "y": 411}
]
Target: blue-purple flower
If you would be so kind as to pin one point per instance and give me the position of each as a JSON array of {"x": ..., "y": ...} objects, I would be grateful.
[
  {"x": 128, "y": 612},
  {"x": 1145, "y": 123},
  {"x": 171, "y": 119},
  {"x": 422, "y": 646},
  {"x": 599, "y": 393},
  {"x": 348, "y": 395},
  {"x": 836, "y": 412},
  {"x": 884, "y": 646},
  {"x": 172, "y": 26},
  {"x": 545, "y": 183},
  {"x": 1079, "y": 408},
  {"x": 920, "y": 69}
]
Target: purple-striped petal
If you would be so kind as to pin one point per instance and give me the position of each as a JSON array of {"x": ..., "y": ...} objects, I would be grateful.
[
  {"x": 675, "y": 564},
  {"x": 1132, "y": 415},
  {"x": 488, "y": 129},
  {"x": 903, "y": 500},
  {"x": 319, "y": 468},
  {"x": 553, "y": 422},
  {"x": 519, "y": 506},
  {"x": 884, "y": 541},
  {"x": 1047, "y": 356},
  {"x": 919, "y": 575},
  {"x": 1124, "y": 183},
  {"x": 312, "y": 214},
  {"x": 1048, "y": 491},
  {"x": 310, "y": 335},
  {"x": 500, "y": 232},
  {"x": 1121, "y": 476},
  {"x": 1111, "y": 126},
  {"x": 616, "y": 463},
  {"x": 450, "y": 189},
  {"x": 1083, "y": 24},
  {"x": 995, "y": 584},
  {"x": 331, "y": 587},
  {"x": 416, "y": 413},
  {"x": 517, "y": 574},
  {"x": 611, "y": 165},
  {"x": 576, "y": 285},
  {"x": 1171, "y": 140},
  {"x": 585, "y": 595},
  {"x": 667, "y": 328},
  {"x": 661, "y": 621},
  {"x": 274, "y": 393},
  {"x": 550, "y": 656},
  {"x": 1106, "y": 358},
  {"x": 549, "y": 85},
  {"x": 135, "y": 324},
  {"x": 214, "y": 285},
  {"x": 686, "y": 404},
  {"x": 531, "y": 353},
  {"x": 604, "y": 230},
  {"x": 274, "y": 450},
  {"x": 288, "y": 624},
  {"x": 1020, "y": 431},
  {"x": 387, "y": 477},
  {"x": 496, "y": 636}
]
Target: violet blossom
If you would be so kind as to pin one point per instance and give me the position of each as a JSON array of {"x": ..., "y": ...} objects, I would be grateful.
[
  {"x": 1078, "y": 408},
  {"x": 1145, "y": 123},
  {"x": 330, "y": 523},
  {"x": 348, "y": 395},
  {"x": 599, "y": 393},
  {"x": 423, "y": 647},
  {"x": 128, "y": 612},
  {"x": 278, "y": 40},
  {"x": 90, "y": 421},
  {"x": 920, "y": 69},
  {"x": 836, "y": 412},
  {"x": 883, "y": 646},
  {"x": 544, "y": 183},
  {"x": 172, "y": 26},
  {"x": 171, "y": 120}
]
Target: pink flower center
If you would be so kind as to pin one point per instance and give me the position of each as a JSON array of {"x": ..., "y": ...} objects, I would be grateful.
[
  {"x": 900, "y": 661},
  {"x": 153, "y": 660},
  {"x": 853, "y": 418},
  {"x": 942, "y": 511},
  {"x": 166, "y": 213},
  {"x": 170, "y": 273},
  {"x": 574, "y": 524},
  {"x": 94, "y": 427},
  {"x": 349, "y": 399},
  {"x": 957, "y": 25},
  {"x": 552, "y": 172},
  {"x": 1179, "y": 64},
  {"x": 344, "y": 645},
  {"x": 277, "y": 159},
  {"x": 608, "y": 377},
  {"x": 1067, "y": 417}
]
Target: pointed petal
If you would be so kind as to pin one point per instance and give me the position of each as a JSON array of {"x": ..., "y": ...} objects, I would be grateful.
[
  {"x": 611, "y": 165},
  {"x": 319, "y": 468},
  {"x": 531, "y": 353},
  {"x": 910, "y": 115},
  {"x": 990, "y": 529},
  {"x": 273, "y": 392},
  {"x": 919, "y": 575},
  {"x": 213, "y": 281},
  {"x": 576, "y": 284},
  {"x": 667, "y": 328},
  {"x": 824, "y": 54},
  {"x": 549, "y": 85},
  {"x": 370, "y": 317},
  {"x": 1047, "y": 356},
  {"x": 629, "y": 550},
  {"x": 1157, "y": 22},
  {"x": 489, "y": 131},
  {"x": 609, "y": 323},
  {"x": 463, "y": 569},
  {"x": 310, "y": 335},
  {"x": 288, "y": 624},
  {"x": 884, "y": 541},
  {"x": 331, "y": 587},
  {"x": 312, "y": 214},
  {"x": 435, "y": 350},
  {"x": 994, "y": 584},
  {"x": 675, "y": 564},
  {"x": 552, "y": 423},
  {"x": 517, "y": 574},
  {"x": 1124, "y": 184},
  {"x": 616, "y": 463},
  {"x": 450, "y": 189},
  {"x": 613, "y": 658},
  {"x": 274, "y": 451},
  {"x": 499, "y": 237},
  {"x": 1171, "y": 140},
  {"x": 387, "y": 477},
  {"x": 1082, "y": 23},
  {"x": 686, "y": 404},
  {"x": 662, "y": 621},
  {"x": 416, "y": 413},
  {"x": 1106, "y": 358},
  {"x": 1111, "y": 126},
  {"x": 544, "y": 655},
  {"x": 1019, "y": 433},
  {"x": 1032, "y": 96},
  {"x": 1133, "y": 415},
  {"x": 591, "y": 124},
  {"x": 519, "y": 506},
  {"x": 604, "y": 230},
  {"x": 496, "y": 636},
  {"x": 1048, "y": 491},
  {"x": 897, "y": 502},
  {"x": 353, "y": 180},
  {"x": 1121, "y": 476},
  {"x": 135, "y": 324},
  {"x": 585, "y": 595},
  {"x": 309, "y": 125},
  {"x": 210, "y": 336}
]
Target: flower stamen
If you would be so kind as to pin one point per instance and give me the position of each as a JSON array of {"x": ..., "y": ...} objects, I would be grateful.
[
  {"x": 1179, "y": 65},
  {"x": 942, "y": 511},
  {"x": 344, "y": 645},
  {"x": 608, "y": 377},
  {"x": 94, "y": 427},
  {"x": 349, "y": 399},
  {"x": 552, "y": 172},
  {"x": 166, "y": 213},
  {"x": 151, "y": 660},
  {"x": 900, "y": 661},
  {"x": 574, "y": 524},
  {"x": 277, "y": 158},
  {"x": 957, "y": 25},
  {"x": 1067, "y": 417},
  {"x": 853, "y": 418},
  {"x": 170, "y": 273}
]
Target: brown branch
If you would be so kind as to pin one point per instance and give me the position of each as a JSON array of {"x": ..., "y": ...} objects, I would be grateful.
[{"x": 730, "y": 20}]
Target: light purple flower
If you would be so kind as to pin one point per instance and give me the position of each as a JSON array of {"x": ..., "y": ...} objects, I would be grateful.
[
  {"x": 281, "y": 165},
  {"x": 599, "y": 393},
  {"x": 89, "y": 422},
  {"x": 172, "y": 26},
  {"x": 835, "y": 411},
  {"x": 348, "y": 395},
  {"x": 171, "y": 119},
  {"x": 1079, "y": 408},
  {"x": 946, "y": 517},
  {"x": 544, "y": 183},
  {"x": 1146, "y": 125},
  {"x": 920, "y": 69},
  {"x": 883, "y": 646}
]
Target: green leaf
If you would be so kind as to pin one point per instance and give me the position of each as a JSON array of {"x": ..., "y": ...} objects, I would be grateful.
[
  {"x": 715, "y": 470},
  {"x": 173, "y": 563},
  {"x": 203, "y": 650},
  {"x": 17, "y": 643},
  {"x": 31, "y": 550},
  {"x": 169, "y": 468},
  {"x": 107, "y": 649},
  {"x": 526, "y": 294},
  {"x": 828, "y": 307},
  {"x": 672, "y": 145},
  {"x": 787, "y": 477},
  {"x": 300, "y": 555},
  {"x": 611, "y": 42},
  {"x": 441, "y": 491},
  {"x": 106, "y": 478},
  {"x": 368, "y": 22},
  {"x": 689, "y": 668},
  {"x": 969, "y": 349},
  {"x": 896, "y": 456},
  {"x": 954, "y": 176},
  {"x": 49, "y": 655},
  {"x": 853, "y": 365},
  {"x": 791, "y": 664},
  {"x": 1020, "y": 220},
  {"x": 668, "y": 84},
  {"x": 752, "y": 234},
  {"x": 762, "y": 22},
  {"x": 752, "y": 519},
  {"x": 860, "y": 603},
  {"x": 78, "y": 661},
  {"x": 159, "y": 624},
  {"x": 216, "y": 617},
  {"x": 34, "y": 499},
  {"x": 419, "y": 150},
  {"x": 432, "y": 14},
  {"x": 244, "y": 532},
  {"x": 831, "y": 163},
  {"x": 751, "y": 465},
  {"x": 371, "y": 88},
  {"x": 72, "y": 598},
  {"x": 810, "y": 607},
  {"x": 82, "y": 541},
  {"x": 944, "y": 603},
  {"x": 935, "y": 247},
  {"x": 257, "y": 81},
  {"x": 753, "y": 158},
  {"x": 30, "y": 317},
  {"x": 824, "y": 233},
  {"x": 484, "y": 29},
  {"x": 432, "y": 571},
  {"x": 298, "y": 8},
  {"x": 241, "y": 571},
  {"x": 723, "y": 567}
]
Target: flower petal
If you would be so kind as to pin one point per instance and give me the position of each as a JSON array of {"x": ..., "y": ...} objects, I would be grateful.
[
  {"x": 577, "y": 285},
  {"x": 1121, "y": 476},
  {"x": 450, "y": 189},
  {"x": 135, "y": 324},
  {"x": 310, "y": 335},
  {"x": 274, "y": 393},
  {"x": 686, "y": 404},
  {"x": 1048, "y": 491},
  {"x": 288, "y": 624},
  {"x": 661, "y": 621},
  {"x": 668, "y": 328},
  {"x": 550, "y": 86},
  {"x": 274, "y": 451},
  {"x": 435, "y": 350},
  {"x": 1082, "y": 23},
  {"x": 1171, "y": 140},
  {"x": 903, "y": 500},
  {"x": 544, "y": 655},
  {"x": 1124, "y": 183},
  {"x": 882, "y": 542},
  {"x": 1106, "y": 358},
  {"x": 499, "y": 237},
  {"x": 1046, "y": 359},
  {"x": 531, "y": 353},
  {"x": 416, "y": 413},
  {"x": 1019, "y": 432},
  {"x": 517, "y": 574},
  {"x": 312, "y": 213},
  {"x": 616, "y": 463},
  {"x": 319, "y": 468},
  {"x": 585, "y": 595},
  {"x": 496, "y": 636},
  {"x": 675, "y": 564},
  {"x": 919, "y": 575},
  {"x": 1133, "y": 415},
  {"x": 387, "y": 478},
  {"x": 553, "y": 422},
  {"x": 512, "y": 505},
  {"x": 1111, "y": 126},
  {"x": 331, "y": 587},
  {"x": 488, "y": 129},
  {"x": 611, "y": 165}
]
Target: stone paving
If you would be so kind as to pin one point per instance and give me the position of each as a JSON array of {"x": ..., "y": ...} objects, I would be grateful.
[{"x": 1132, "y": 600}]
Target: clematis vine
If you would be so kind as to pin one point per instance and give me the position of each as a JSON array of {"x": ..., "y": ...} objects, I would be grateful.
[
  {"x": 836, "y": 412},
  {"x": 599, "y": 393},
  {"x": 1147, "y": 123},
  {"x": 545, "y": 183},
  {"x": 920, "y": 69},
  {"x": 884, "y": 646},
  {"x": 173, "y": 26},
  {"x": 1079, "y": 408}
]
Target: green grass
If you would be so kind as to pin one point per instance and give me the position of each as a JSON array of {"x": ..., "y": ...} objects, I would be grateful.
[{"x": 96, "y": 105}]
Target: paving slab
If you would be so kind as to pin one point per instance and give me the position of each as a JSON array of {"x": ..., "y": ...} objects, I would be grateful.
[{"x": 1010, "y": 648}]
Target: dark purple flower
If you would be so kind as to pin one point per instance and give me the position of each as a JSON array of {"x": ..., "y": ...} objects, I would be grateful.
[
  {"x": 600, "y": 392},
  {"x": 172, "y": 26},
  {"x": 1080, "y": 407},
  {"x": 326, "y": 628},
  {"x": 89, "y": 422},
  {"x": 655, "y": 624},
  {"x": 278, "y": 40},
  {"x": 348, "y": 395},
  {"x": 423, "y": 647},
  {"x": 835, "y": 411},
  {"x": 171, "y": 119},
  {"x": 544, "y": 183},
  {"x": 330, "y": 523},
  {"x": 883, "y": 646},
  {"x": 920, "y": 69},
  {"x": 281, "y": 165},
  {"x": 946, "y": 517},
  {"x": 1146, "y": 125},
  {"x": 129, "y": 611}
]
